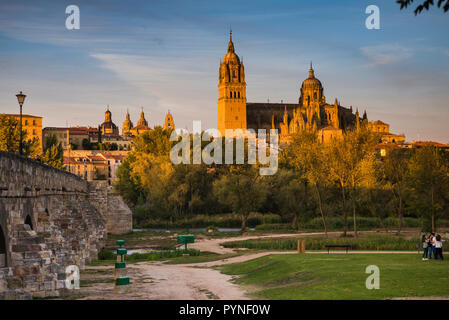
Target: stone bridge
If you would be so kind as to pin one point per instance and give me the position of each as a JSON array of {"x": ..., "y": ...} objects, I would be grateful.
[{"x": 50, "y": 219}]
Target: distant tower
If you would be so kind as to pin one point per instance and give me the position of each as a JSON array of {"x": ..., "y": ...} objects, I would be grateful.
[
  {"x": 169, "y": 123},
  {"x": 127, "y": 124},
  {"x": 231, "y": 113},
  {"x": 357, "y": 120},
  {"x": 142, "y": 121},
  {"x": 108, "y": 127},
  {"x": 311, "y": 98}
]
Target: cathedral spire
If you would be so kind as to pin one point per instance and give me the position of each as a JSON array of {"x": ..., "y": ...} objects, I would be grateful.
[
  {"x": 231, "y": 44},
  {"x": 311, "y": 72}
]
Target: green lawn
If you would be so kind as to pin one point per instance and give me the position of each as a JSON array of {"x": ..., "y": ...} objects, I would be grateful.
[{"x": 341, "y": 276}]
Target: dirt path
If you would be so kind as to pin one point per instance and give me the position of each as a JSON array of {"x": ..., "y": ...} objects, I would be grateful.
[{"x": 159, "y": 281}]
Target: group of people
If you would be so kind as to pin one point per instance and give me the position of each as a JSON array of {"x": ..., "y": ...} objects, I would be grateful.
[{"x": 433, "y": 246}]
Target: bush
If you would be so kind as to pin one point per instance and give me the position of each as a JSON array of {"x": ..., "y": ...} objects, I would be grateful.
[
  {"x": 222, "y": 220},
  {"x": 369, "y": 243},
  {"x": 337, "y": 223},
  {"x": 274, "y": 227},
  {"x": 148, "y": 256},
  {"x": 104, "y": 254}
]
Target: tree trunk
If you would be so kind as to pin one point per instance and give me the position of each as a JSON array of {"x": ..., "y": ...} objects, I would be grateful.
[
  {"x": 295, "y": 222},
  {"x": 354, "y": 217},
  {"x": 345, "y": 214},
  {"x": 400, "y": 214},
  {"x": 244, "y": 219},
  {"x": 321, "y": 209},
  {"x": 433, "y": 212}
]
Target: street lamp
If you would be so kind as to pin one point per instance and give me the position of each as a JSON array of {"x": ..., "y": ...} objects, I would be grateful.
[{"x": 21, "y": 99}]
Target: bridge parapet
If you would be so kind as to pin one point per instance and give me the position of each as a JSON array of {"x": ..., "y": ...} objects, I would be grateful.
[{"x": 47, "y": 222}]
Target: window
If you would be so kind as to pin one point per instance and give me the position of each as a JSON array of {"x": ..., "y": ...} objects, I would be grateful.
[
  {"x": 314, "y": 95},
  {"x": 239, "y": 94},
  {"x": 34, "y": 122},
  {"x": 26, "y": 122},
  {"x": 34, "y": 131}
]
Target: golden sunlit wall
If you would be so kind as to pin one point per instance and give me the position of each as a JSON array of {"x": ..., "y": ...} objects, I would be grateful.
[{"x": 32, "y": 125}]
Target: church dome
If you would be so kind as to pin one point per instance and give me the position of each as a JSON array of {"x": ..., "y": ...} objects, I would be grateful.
[{"x": 311, "y": 82}]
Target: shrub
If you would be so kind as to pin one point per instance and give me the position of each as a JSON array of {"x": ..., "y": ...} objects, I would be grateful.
[
  {"x": 274, "y": 227},
  {"x": 222, "y": 220},
  {"x": 368, "y": 243}
]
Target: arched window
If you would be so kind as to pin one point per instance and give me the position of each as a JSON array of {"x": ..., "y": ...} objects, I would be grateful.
[
  {"x": 314, "y": 96},
  {"x": 2, "y": 249},
  {"x": 238, "y": 94},
  {"x": 29, "y": 222}
]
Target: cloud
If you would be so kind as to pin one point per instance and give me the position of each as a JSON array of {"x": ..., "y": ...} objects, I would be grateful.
[{"x": 385, "y": 54}]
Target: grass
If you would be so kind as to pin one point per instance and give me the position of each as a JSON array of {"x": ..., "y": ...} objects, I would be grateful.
[
  {"x": 341, "y": 276},
  {"x": 157, "y": 240},
  {"x": 205, "y": 257},
  {"x": 172, "y": 257},
  {"x": 319, "y": 243}
]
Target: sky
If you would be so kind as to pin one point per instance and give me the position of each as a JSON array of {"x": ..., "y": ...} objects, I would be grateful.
[{"x": 164, "y": 55}]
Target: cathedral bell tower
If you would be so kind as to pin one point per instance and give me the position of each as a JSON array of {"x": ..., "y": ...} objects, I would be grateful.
[{"x": 231, "y": 113}]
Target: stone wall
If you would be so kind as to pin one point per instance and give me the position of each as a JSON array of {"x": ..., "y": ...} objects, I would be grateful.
[
  {"x": 48, "y": 222},
  {"x": 110, "y": 204}
]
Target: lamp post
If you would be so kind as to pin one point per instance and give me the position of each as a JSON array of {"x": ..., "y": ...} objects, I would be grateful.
[{"x": 21, "y": 99}]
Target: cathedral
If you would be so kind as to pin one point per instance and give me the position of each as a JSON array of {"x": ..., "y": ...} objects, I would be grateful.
[{"x": 311, "y": 112}]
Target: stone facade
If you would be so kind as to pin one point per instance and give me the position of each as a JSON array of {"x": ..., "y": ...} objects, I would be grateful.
[
  {"x": 110, "y": 204},
  {"x": 47, "y": 222}
]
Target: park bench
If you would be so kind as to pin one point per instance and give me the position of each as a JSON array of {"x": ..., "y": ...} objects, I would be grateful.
[{"x": 344, "y": 246}]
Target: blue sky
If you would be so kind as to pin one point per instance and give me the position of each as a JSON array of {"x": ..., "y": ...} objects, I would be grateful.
[{"x": 164, "y": 55}]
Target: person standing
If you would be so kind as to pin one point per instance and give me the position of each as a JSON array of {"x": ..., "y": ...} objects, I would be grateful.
[
  {"x": 425, "y": 246},
  {"x": 439, "y": 247},
  {"x": 433, "y": 241}
]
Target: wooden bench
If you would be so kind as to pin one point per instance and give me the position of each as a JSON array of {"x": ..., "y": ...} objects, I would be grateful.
[{"x": 345, "y": 246}]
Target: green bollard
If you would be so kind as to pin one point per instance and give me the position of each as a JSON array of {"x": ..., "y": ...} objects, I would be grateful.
[{"x": 120, "y": 274}]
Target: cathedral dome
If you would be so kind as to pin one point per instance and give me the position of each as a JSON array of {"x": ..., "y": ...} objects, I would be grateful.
[{"x": 311, "y": 82}]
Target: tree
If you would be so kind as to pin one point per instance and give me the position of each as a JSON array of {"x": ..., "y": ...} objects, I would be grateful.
[
  {"x": 53, "y": 152},
  {"x": 394, "y": 172},
  {"x": 360, "y": 163},
  {"x": 86, "y": 144},
  {"x": 426, "y": 4},
  {"x": 428, "y": 180},
  {"x": 243, "y": 189},
  {"x": 339, "y": 170},
  {"x": 10, "y": 138},
  {"x": 291, "y": 195},
  {"x": 308, "y": 158}
]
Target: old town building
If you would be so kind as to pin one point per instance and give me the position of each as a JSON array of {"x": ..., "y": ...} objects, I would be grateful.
[{"x": 31, "y": 124}]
